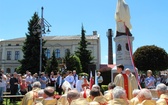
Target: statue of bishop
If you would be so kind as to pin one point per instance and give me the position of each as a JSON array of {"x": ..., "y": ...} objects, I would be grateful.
[{"x": 122, "y": 17}]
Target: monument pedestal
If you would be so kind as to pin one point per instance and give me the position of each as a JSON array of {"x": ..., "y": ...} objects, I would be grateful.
[
  {"x": 122, "y": 54},
  {"x": 122, "y": 50}
]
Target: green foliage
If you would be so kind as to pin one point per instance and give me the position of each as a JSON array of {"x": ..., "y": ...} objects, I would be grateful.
[
  {"x": 82, "y": 52},
  {"x": 67, "y": 60},
  {"x": 18, "y": 102},
  {"x": 72, "y": 62},
  {"x": 83, "y": 74},
  {"x": 52, "y": 64},
  {"x": 31, "y": 49},
  {"x": 104, "y": 87},
  {"x": 75, "y": 64},
  {"x": 151, "y": 57}
]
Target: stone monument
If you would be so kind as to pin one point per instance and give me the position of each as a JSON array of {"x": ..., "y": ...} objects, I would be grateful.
[{"x": 123, "y": 27}]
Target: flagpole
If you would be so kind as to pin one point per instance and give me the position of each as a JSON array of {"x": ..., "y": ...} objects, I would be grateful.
[{"x": 96, "y": 78}]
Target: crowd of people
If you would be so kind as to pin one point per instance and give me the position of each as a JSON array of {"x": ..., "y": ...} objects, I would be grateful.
[
  {"x": 70, "y": 89},
  {"x": 19, "y": 84},
  {"x": 157, "y": 79}
]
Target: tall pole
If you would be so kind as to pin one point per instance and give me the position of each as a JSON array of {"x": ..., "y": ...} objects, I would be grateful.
[
  {"x": 41, "y": 28},
  {"x": 42, "y": 23},
  {"x": 110, "y": 46}
]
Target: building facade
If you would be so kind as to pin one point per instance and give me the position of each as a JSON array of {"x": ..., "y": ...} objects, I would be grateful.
[{"x": 11, "y": 50}]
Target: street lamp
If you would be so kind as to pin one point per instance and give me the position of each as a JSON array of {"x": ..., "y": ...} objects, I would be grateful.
[{"x": 39, "y": 27}]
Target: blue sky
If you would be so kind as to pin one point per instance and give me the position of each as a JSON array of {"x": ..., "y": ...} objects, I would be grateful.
[{"x": 149, "y": 19}]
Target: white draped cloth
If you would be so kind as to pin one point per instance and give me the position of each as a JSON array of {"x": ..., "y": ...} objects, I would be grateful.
[{"x": 122, "y": 16}]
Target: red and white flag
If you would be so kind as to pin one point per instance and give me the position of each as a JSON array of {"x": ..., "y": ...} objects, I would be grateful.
[{"x": 91, "y": 80}]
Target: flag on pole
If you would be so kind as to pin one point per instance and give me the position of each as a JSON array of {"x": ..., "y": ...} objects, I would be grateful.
[
  {"x": 96, "y": 82},
  {"x": 91, "y": 80}
]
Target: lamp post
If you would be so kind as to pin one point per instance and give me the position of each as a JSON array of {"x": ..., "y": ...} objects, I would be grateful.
[{"x": 39, "y": 27}]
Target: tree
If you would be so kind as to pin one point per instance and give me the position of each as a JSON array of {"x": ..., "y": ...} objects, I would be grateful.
[
  {"x": 75, "y": 64},
  {"x": 67, "y": 60},
  {"x": 31, "y": 49},
  {"x": 72, "y": 62},
  {"x": 82, "y": 52},
  {"x": 52, "y": 64},
  {"x": 151, "y": 57}
]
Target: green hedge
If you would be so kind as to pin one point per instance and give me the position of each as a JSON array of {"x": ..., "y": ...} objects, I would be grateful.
[
  {"x": 83, "y": 74},
  {"x": 104, "y": 87}
]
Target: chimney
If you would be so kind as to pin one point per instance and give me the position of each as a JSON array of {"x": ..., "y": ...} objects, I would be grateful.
[
  {"x": 94, "y": 32},
  {"x": 110, "y": 46}
]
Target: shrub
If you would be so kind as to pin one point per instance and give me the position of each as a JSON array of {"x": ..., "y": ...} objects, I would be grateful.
[
  {"x": 83, "y": 74},
  {"x": 104, "y": 88}
]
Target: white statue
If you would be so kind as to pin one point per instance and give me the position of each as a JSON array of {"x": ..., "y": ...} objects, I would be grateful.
[{"x": 122, "y": 17}]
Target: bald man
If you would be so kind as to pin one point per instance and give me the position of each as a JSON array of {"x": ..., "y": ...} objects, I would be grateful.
[
  {"x": 145, "y": 97},
  {"x": 48, "y": 93},
  {"x": 72, "y": 95},
  {"x": 97, "y": 97},
  {"x": 163, "y": 97},
  {"x": 49, "y": 96}
]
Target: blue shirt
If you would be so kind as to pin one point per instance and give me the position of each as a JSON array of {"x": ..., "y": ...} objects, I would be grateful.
[
  {"x": 70, "y": 79},
  {"x": 150, "y": 82},
  {"x": 43, "y": 85}
]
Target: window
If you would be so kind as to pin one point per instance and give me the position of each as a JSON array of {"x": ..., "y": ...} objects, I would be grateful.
[
  {"x": 8, "y": 55},
  {"x": 119, "y": 48},
  {"x": 9, "y": 44},
  {"x": 16, "y": 55},
  {"x": 57, "y": 53},
  {"x": 17, "y": 44},
  {"x": 127, "y": 47},
  {"x": 89, "y": 43},
  {"x": 8, "y": 70},
  {"x": 47, "y": 53},
  {"x": 66, "y": 51}
]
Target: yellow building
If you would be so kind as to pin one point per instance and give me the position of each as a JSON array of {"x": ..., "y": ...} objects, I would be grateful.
[{"x": 11, "y": 50}]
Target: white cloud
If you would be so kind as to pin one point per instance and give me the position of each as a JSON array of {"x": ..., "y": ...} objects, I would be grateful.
[{"x": 1, "y": 39}]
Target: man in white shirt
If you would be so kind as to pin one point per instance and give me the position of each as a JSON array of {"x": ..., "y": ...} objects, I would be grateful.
[
  {"x": 27, "y": 72},
  {"x": 29, "y": 81},
  {"x": 79, "y": 84},
  {"x": 70, "y": 78},
  {"x": 2, "y": 84},
  {"x": 5, "y": 80}
]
